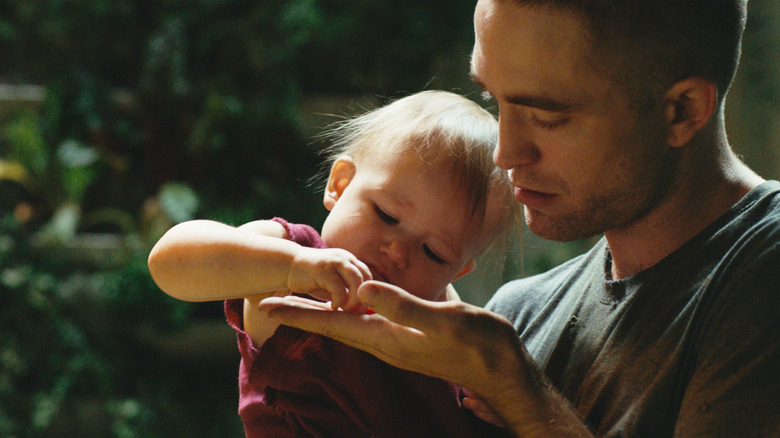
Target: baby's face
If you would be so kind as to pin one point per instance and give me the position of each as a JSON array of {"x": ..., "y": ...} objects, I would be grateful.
[{"x": 409, "y": 222}]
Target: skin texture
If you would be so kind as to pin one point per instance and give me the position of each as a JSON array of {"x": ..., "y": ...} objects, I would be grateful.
[{"x": 583, "y": 161}]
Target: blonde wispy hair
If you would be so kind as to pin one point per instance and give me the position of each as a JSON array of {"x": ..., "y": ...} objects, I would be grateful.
[{"x": 441, "y": 128}]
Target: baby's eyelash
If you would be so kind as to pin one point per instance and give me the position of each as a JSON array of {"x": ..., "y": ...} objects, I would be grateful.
[
  {"x": 386, "y": 218},
  {"x": 432, "y": 255}
]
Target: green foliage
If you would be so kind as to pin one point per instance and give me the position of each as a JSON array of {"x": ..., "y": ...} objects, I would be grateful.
[
  {"x": 155, "y": 112},
  {"x": 70, "y": 340}
]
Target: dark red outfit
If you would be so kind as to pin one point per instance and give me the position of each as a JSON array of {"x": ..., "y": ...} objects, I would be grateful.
[{"x": 300, "y": 384}]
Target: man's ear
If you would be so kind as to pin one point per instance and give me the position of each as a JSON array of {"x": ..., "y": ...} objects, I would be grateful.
[
  {"x": 470, "y": 265},
  {"x": 341, "y": 174},
  {"x": 690, "y": 104}
]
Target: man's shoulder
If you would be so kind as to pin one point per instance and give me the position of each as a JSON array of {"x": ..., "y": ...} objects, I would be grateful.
[
  {"x": 763, "y": 202},
  {"x": 756, "y": 218}
]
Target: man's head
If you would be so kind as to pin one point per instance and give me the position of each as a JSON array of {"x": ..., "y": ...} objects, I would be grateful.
[
  {"x": 589, "y": 148},
  {"x": 648, "y": 45}
]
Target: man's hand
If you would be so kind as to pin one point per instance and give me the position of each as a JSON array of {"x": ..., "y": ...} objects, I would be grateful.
[
  {"x": 481, "y": 410},
  {"x": 328, "y": 274},
  {"x": 451, "y": 340}
]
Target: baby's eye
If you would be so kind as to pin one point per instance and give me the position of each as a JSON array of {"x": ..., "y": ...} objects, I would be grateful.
[
  {"x": 386, "y": 218},
  {"x": 432, "y": 255}
]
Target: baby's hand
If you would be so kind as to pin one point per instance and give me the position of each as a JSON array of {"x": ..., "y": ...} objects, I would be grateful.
[
  {"x": 481, "y": 410},
  {"x": 331, "y": 273}
]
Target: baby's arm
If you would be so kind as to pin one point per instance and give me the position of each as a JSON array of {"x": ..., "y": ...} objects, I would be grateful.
[{"x": 209, "y": 261}]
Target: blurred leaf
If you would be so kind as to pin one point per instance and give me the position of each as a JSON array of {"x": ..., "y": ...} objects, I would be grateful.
[
  {"x": 79, "y": 168},
  {"x": 73, "y": 154},
  {"x": 63, "y": 224},
  {"x": 16, "y": 172},
  {"x": 179, "y": 201},
  {"x": 26, "y": 143}
]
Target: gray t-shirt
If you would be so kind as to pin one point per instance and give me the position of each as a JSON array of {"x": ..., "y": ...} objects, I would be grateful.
[{"x": 689, "y": 347}]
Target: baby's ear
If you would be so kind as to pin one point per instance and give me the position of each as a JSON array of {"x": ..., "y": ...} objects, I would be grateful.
[
  {"x": 341, "y": 174},
  {"x": 468, "y": 267}
]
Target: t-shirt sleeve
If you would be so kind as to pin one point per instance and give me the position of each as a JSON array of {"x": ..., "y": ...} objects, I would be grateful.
[
  {"x": 302, "y": 234},
  {"x": 735, "y": 385}
]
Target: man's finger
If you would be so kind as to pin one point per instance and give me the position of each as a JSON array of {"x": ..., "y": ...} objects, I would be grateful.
[
  {"x": 357, "y": 330},
  {"x": 398, "y": 305},
  {"x": 294, "y": 301},
  {"x": 318, "y": 317}
]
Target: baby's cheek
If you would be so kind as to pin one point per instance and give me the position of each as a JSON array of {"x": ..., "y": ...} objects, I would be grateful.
[
  {"x": 435, "y": 291},
  {"x": 424, "y": 281}
]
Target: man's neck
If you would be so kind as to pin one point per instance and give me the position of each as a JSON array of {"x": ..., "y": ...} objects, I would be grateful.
[{"x": 695, "y": 204}]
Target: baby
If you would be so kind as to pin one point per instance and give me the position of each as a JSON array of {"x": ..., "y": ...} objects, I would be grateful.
[{"x": 414, "y": 198}]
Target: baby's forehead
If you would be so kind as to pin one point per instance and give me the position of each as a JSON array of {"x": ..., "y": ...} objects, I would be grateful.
[
  {"x": 483, "y": 187},
  {"x": 469, "y": 174}
]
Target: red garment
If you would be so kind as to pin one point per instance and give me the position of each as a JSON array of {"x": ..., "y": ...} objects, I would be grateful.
[{"x": 300, "y": 384}]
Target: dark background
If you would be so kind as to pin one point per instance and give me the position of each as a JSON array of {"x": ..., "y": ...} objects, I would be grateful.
[{"x": 121, "y": 118}]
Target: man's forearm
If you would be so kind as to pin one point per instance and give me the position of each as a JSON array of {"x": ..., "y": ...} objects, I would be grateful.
[{"x": 526, "y": 401}]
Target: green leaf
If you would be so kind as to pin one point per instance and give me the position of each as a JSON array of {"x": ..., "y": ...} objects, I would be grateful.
[{"x": 179, "y": 201}]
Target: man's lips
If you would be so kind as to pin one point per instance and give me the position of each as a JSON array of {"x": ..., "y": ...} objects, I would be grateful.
[
  {"x": 532, "y": 198},
  {"x": 529, "y": 194}
]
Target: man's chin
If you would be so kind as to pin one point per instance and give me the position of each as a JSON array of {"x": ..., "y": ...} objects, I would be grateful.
[{"x": 558, "y": 230}]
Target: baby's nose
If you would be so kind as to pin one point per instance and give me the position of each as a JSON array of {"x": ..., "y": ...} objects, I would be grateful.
[{"x": 396, "y": 251}]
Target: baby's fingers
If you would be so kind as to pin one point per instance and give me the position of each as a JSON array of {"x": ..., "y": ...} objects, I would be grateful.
[
  {"x": 354, "y": 275},
  {"x": 338, "y": 284},
  {"x": 338, "y": 288},
  {"x": 323, "y": 295}
]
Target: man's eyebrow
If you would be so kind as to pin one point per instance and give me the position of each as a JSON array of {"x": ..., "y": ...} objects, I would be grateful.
[{"x": 540, "y": 102}]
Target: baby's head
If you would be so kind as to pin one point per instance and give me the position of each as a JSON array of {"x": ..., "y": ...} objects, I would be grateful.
[{"x": 413, "y": 191}]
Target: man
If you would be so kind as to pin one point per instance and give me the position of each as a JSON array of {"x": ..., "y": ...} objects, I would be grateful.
[{"x": 611, "y": 121}]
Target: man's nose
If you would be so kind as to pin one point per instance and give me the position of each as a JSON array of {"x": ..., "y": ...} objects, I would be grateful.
[
  {"x": 515, "y": 146},
  {"x": 396, "y": 251}
]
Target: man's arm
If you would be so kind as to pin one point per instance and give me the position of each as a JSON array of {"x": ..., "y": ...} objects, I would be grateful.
[{"x": 450, "y": 340}]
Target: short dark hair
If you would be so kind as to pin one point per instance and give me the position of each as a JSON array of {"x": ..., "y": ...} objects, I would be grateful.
[{"x": 660, "y": 42}]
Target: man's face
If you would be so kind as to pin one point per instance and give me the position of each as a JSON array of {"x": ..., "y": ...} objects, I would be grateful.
[{"x": 580, "y": 157}]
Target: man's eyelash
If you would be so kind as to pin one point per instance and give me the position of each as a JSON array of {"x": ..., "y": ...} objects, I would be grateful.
[{"x": 549, "y": 124}]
